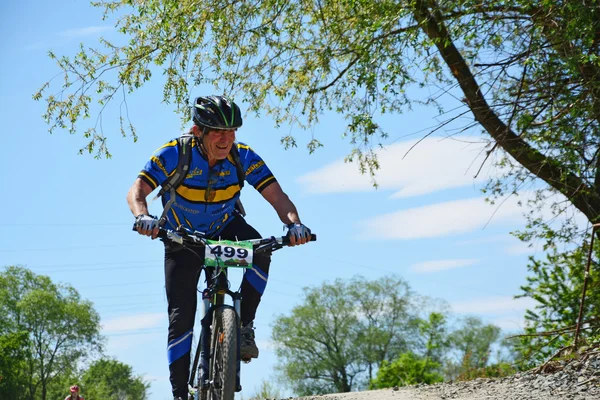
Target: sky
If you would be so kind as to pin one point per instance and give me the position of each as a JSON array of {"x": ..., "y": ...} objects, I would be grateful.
[{"x": 65, "y": 214}]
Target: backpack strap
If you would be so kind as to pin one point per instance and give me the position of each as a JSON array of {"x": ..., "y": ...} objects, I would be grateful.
[
  {"x": 241, "y": 174},
  {"x": 184, "y": 146}
]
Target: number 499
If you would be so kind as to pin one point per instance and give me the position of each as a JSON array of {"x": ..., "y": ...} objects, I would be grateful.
[{"x": 228, "y": 251}]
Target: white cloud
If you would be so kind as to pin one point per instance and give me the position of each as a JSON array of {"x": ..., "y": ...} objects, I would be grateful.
[
  {"x": 265, "y": 345},
  {"x": 88, "y": 31},
  {"x": 510, "y": 324},
  {"x": 452, "y": 217},
  {"x": 461, "y": 216},
  {"x": 485, "y": 240},
  {"x": 492, "y": 305},
  {"x": 521, "y": 248},
  {"x": 117, "y": 344},
  {"x": 432, "y": 165},
  {"x": 512, "y": 245},
  {"x": 156, "y": 378},
  {"x": 442, "y": 265},
  {"x": 133, "y": 322}
]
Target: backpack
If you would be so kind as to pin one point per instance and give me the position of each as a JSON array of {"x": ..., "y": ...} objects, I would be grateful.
[{"x": 184, "y": 145}]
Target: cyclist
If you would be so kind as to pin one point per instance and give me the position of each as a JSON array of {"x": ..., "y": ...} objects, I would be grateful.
[
  {"x": 206, "y": 201},
  {"x": 74, "y": 394}
]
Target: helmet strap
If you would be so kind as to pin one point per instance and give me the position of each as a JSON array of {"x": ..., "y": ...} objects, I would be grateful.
[{"x": 201, "y": 139}]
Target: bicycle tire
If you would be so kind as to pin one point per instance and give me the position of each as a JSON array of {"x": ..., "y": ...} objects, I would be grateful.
[{"x": 224, "y": 351}]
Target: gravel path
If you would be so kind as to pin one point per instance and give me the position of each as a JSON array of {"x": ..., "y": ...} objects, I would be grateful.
[{"x": 575, "y": 380}]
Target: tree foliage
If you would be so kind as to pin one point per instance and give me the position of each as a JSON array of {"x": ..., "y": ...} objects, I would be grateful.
[
  {"x": 48, "y": 326},
  {"x": 408, "y": 369},
  {"x": 557, "y": 285},
  {"x": 266, "y": 390},
  {"x": 473, "y": 345},
  {"x": 13, "y": 347},
  {"x": 433, "y": 333},
  {"x": 357, "y": 334},
  {"x": 342, "y": 331},
  {"x": 111, "y": 379}
]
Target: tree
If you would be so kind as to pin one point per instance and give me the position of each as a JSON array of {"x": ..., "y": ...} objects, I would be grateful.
[
  {"x": 266, "y": 391},
  {"x": 384, "y": 305},
  {"x": 434, "y": 334},
  {"x": 408, "y": 369},
  {"x": 329, "y": 342},
  {"x": 473, "y": 343},
  {"x": 557, "y": 285},
  {"x": 62, "y": 329},
  {"x": 111, "y": 379},
  {"x": 13, "y": 347}
]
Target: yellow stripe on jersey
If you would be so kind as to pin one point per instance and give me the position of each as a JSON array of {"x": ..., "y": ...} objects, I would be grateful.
[
  {"x": 263, "y": 183},
  {"x": 176, "y": 219},
  {"x": 154, "y": 183},
  {"x": 188, "y": 222},
  {"x": 156, "y": 161},
  {"x": 216, "y": 195},
  {"x": 170, "y": 144},
  {"x": 243, "y": 146}
]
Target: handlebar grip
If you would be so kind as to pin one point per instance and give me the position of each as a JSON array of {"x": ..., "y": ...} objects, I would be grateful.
[
  {"x": 286, "y": 240},
  {"x": 162, "y": 233}
]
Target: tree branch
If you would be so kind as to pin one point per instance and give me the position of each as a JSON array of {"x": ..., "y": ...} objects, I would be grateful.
[{"x": 537, "y": 163}]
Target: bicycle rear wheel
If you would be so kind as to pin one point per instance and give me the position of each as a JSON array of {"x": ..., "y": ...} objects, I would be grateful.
[{"x": 224, "y": 351}]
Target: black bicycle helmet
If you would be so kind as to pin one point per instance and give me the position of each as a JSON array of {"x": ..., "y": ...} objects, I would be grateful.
[{"x": 216, "y": 112}]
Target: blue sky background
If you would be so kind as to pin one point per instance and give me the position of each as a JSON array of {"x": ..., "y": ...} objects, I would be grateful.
[{"x": 65, "y": 214}]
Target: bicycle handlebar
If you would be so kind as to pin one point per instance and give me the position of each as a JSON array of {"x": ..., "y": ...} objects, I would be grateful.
[{"x": 198, "y": 239}]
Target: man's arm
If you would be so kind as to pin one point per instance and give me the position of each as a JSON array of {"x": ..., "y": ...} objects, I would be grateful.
[
  {"x": 286, "y": 210},
  {"x": 136, "y": 198}
]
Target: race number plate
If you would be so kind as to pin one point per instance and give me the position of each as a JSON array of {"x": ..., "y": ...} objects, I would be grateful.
[{"x": 225, "y": 253}]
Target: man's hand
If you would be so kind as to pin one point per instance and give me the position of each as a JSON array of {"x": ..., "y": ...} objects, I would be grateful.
[
  {"x": 146, "y": 225},
  {"x": 298, "y": 234}
]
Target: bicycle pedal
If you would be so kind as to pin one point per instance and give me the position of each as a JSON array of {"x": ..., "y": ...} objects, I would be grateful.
[{"x": 246, "y": 360}]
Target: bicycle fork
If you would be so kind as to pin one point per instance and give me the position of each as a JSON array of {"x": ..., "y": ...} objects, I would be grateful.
[{"x": 204, "y": 348}]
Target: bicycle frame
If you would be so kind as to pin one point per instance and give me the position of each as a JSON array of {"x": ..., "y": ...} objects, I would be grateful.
[{"x": 213, "y": 297}]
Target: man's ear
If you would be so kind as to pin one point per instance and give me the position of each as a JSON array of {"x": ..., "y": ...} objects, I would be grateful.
[{"x": 196, "y": 131}]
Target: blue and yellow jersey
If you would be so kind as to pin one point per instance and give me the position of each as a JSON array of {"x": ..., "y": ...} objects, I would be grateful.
[{"x": 206, "y": 199}]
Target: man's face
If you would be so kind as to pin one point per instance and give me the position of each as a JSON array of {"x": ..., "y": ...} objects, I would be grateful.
[{"x": 218, "y": 143}]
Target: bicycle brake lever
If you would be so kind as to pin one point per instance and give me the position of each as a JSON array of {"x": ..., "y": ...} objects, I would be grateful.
[{"x": 175, "y": 237}]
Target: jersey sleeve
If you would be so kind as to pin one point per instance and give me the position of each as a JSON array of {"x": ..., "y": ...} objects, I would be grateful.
[
  {"x": 161, "y": 165},
  {"x": 257, "y": 172}
]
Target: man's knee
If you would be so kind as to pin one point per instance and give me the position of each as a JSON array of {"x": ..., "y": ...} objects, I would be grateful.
[{"x": 179, "y": 346}]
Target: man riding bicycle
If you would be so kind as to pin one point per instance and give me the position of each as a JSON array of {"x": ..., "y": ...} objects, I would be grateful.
[{"x": 208, "y": 201}]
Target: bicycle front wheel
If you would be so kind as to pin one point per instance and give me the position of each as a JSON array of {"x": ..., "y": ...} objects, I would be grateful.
[{"x": 224, "y": 351}]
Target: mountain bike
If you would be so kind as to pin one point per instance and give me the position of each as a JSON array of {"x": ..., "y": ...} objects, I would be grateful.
[{"x": 217, "y": 359}]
